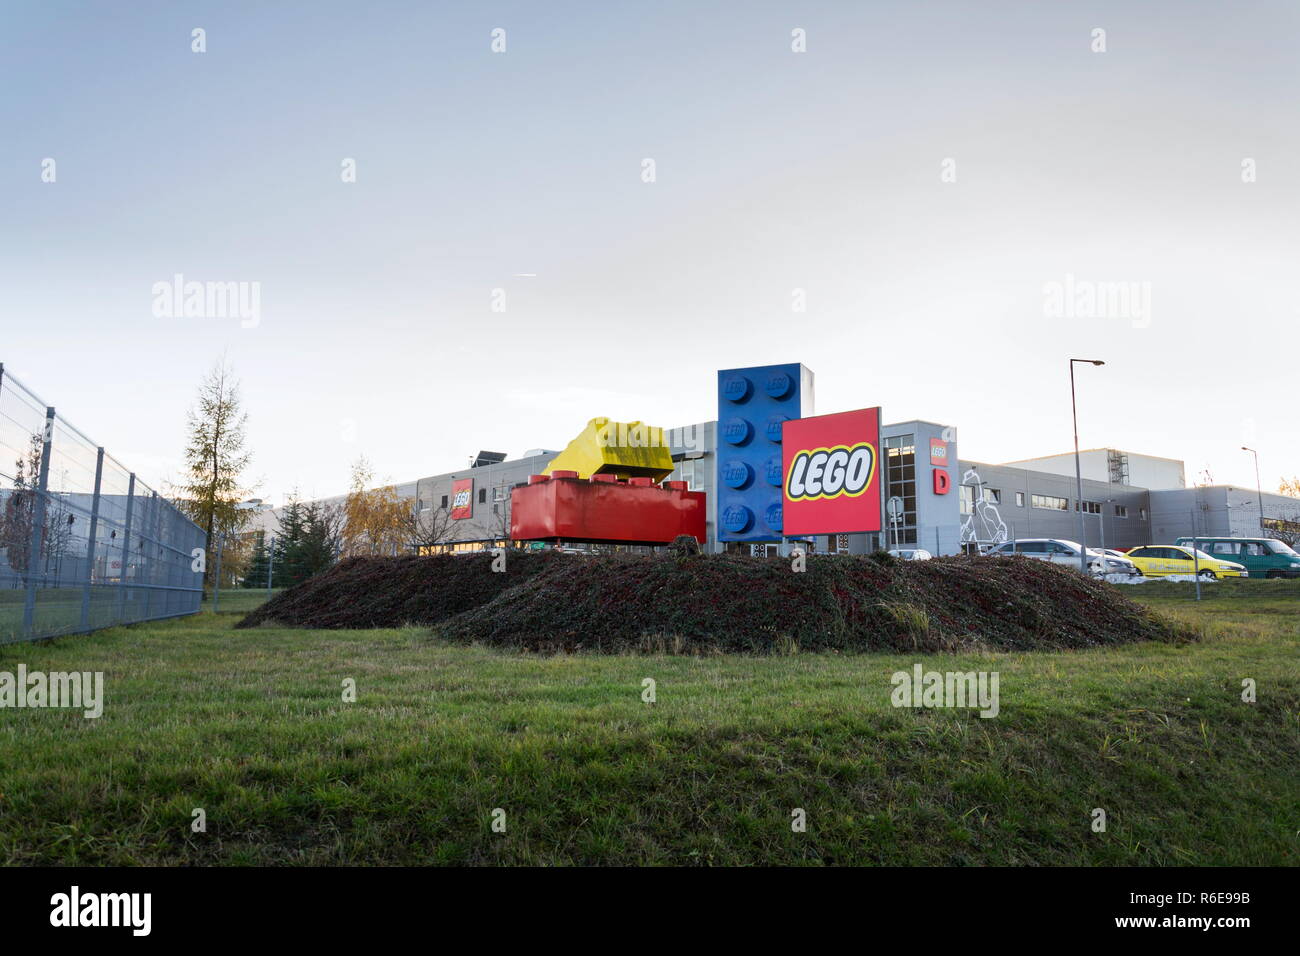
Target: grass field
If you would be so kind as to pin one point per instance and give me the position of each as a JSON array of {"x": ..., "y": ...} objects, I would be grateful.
[{"x": 251, "y": 727}]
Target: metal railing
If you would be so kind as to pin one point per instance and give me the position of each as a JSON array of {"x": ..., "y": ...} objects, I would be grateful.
[{"x": 84, "y": 543}]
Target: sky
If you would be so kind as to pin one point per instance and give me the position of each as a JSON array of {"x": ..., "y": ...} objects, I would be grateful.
[{"x": 900, "y": 207}]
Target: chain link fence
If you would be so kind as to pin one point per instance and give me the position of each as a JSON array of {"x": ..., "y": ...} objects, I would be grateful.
[{"x": 84, "y": 543}]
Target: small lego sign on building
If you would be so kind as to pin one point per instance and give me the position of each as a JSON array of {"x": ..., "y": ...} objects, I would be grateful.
[{"x": 462, "y": 498}]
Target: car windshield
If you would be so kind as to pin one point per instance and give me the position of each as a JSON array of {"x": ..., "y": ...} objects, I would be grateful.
[{"x": 1277, "y": 547}]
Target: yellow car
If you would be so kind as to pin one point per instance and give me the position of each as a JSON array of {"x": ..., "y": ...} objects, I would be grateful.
[{"x": 1161, "y": 560}]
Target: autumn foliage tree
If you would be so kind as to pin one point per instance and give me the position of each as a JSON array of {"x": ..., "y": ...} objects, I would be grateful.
[{"x": 376, "y": 520}]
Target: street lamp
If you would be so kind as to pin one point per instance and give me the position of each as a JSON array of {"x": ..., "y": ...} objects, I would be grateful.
[
  {"x": 1078, "y": 469},
  {"x": 1259, "y": 490}
]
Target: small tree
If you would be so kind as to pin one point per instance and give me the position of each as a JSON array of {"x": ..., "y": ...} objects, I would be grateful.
[
  {"x": 308, "y": 541},
  {"x": 215, "y": 460},
  {"x": 1290, "y": 516},
  {"x": 322, "y": 528},
  {"x": 429, "y": 529},
  {"x": 375, "y": 519},
  {"x": 259, "y": 565},
  {"x": 499, "y": 522},
  {"x": 288, "y": 542},
  {"x": 20, "y": 508}
]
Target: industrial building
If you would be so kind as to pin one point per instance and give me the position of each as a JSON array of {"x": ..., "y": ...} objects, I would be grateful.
[{"x": 985, "y": 504}]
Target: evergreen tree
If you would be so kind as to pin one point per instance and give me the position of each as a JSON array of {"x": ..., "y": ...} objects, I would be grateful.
[
  {"x": 259, "y": 566},
  {"x": 289, "y": 558},
  {"x": 322, "y": 526}
]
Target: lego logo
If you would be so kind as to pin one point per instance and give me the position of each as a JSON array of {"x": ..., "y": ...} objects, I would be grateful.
[
  {"x": 461, "y": 500},
  {"x": 831, "y": 472},
  {"x": 938, "y": 451}
]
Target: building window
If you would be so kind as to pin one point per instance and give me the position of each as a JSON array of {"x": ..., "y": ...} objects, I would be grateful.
[
  {"x": 993, "y": 496},
  {"x": 691, "y": 471},
  {"x": 499, "y": 493},
  {"x": 1020, "y": 499},
  {"x": 1142, "y": 512},
  {"x": 444, "y": 502},
  {"x": 900, "y": 476},
  {"x": 482, "y": 496},
  {"x": 966, "y": 499},
  {"x": 1090, "y": 507},
  {"x": 1050, "y": 502},
  {"x": 1121, "y": 511}
]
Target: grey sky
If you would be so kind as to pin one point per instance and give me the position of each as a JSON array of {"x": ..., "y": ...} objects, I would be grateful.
[{"x": 776, "y": 171}]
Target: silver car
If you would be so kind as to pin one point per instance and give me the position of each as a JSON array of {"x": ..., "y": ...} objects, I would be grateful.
[
  {"x": 1062, "y": 551},
  {"x": 911, "y": 554}
]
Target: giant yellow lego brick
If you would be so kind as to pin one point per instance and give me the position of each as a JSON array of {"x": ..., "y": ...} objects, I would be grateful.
[{"x": 625, "y": 449}]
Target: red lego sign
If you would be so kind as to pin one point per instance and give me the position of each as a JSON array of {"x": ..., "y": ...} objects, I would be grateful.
[
  {"x": 832, "y": 473},
  {"x": 462, "y": 498},
  {"x": 938, "y": 451}
]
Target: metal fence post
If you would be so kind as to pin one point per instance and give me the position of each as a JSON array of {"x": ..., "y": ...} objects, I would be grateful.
[
  {"x": 270, "y": 564},
  {"x": 216, "y": 576},
  {"x": 126, "y": 546},
  {"x": 90, "y": 544},
  {"x": 38, "y": 523}
]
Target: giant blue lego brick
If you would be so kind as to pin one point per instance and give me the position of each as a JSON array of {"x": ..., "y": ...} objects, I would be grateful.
[{"x": 753, "y": 403}]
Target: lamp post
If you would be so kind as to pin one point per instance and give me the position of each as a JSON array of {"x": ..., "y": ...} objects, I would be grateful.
[
  {"x": 1259, "y": 489},
  {"x": 1078, "y": 469}
]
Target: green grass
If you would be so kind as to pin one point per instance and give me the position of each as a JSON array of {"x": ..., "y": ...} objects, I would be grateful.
[
  {"x": 250, "y": 726},
  {"x": 241, "y": 600}
]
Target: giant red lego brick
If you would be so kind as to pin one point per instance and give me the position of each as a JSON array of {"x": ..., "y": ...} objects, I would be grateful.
[{"x": 604, "y": 511}]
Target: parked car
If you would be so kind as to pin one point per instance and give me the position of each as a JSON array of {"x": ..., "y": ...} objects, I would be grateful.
[
  {"x": 1061, "y": 551},
  {"x": 1262, "y": 557},
  {"x": 911, "y": 554},
  {"x": 1162, "y": 560}
]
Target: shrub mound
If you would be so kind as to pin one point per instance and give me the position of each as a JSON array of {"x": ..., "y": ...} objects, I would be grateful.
[
  {"x": 713, "y": 603},
  {"x": 392, "y": 592},
  {"x": 726, "y": 603}
]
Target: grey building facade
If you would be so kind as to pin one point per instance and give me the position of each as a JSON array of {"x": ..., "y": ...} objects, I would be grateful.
[{"x": 976, "y": 506}]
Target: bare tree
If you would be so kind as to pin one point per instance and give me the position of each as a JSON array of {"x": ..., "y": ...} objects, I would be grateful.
[
  {"x": 431, "y": 529},
  {"x": 1287, "y": 526},
  {"x": 499, "y": 524},
  {"x": 20, "y": 507}
]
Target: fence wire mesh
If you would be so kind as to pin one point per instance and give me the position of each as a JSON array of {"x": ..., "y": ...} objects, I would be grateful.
[{"x": 84, "y": 543}]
